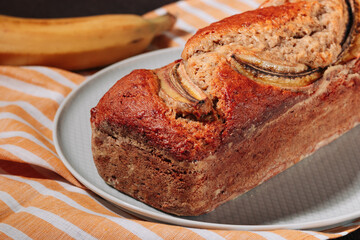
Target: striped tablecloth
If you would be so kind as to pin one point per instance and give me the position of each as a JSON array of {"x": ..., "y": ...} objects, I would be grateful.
[{"x": 40, "y": 199}]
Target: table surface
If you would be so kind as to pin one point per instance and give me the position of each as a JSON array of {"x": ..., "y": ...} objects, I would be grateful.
[{"x": 70, "y": 8}]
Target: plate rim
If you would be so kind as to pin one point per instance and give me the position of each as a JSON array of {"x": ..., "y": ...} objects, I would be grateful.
[{"x": 165, "y": 217}]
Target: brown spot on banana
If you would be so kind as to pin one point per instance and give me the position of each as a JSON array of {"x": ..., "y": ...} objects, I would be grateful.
[{"x": 136, "y": 40}]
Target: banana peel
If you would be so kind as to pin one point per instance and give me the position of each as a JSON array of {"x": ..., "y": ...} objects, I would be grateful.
[{"x": 77, "y": 43}]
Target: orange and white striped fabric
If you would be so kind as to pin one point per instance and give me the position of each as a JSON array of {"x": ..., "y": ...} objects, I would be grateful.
[{"x": 40, "y": 199}]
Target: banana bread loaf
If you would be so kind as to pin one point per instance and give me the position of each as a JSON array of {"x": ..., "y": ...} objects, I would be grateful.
[{"x": 251, "y": 96}]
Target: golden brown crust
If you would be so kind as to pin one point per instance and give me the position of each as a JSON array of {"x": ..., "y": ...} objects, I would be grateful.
[{"x": 145, "y": 115}]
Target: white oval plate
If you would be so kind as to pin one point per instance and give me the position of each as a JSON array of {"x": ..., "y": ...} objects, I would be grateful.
[{"x": 320, "y": 191}]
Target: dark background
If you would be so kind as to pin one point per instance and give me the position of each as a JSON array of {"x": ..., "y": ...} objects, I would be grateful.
[{"x": 77, "y": 8}]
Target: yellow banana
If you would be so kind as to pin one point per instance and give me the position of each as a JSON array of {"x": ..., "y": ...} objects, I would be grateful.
[{"x": 77, "y": 43}]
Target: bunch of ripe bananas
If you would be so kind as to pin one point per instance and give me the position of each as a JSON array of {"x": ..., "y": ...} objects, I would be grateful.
[{"x": 77, "y": 43}]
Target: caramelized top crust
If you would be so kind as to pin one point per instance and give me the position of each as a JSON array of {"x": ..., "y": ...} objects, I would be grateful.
[{"x": 134, "y": 105}]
